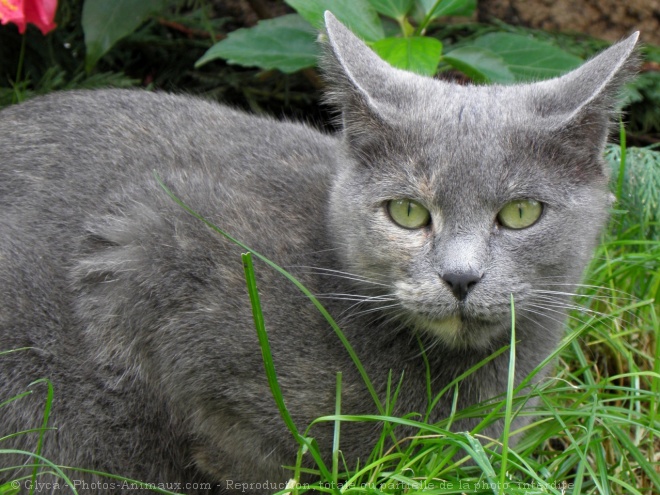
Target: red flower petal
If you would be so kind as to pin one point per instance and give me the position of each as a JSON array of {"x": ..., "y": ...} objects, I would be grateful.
[
  {"x": 41, "y": 13},
  {"x": 12, "y": 11}
]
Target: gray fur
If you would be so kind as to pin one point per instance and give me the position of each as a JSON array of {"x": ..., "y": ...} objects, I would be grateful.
[{"x": 138, "y": 313}]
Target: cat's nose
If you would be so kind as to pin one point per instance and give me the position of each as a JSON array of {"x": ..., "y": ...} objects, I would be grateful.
[{"x": 461, "y": 283}]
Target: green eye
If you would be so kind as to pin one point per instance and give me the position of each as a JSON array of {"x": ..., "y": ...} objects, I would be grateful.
[
  {"x": 520, "y": 214},
  {"x": 408, "y": 214}
]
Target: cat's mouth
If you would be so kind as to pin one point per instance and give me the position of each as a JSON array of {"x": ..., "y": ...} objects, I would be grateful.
[
  {"x": 459, "y": 331},
  {"x": 448, "y": 328},
  {"x": 457, "y": 324}
]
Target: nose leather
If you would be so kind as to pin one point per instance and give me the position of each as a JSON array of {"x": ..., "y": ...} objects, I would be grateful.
[{"x": 461, "y": 283}]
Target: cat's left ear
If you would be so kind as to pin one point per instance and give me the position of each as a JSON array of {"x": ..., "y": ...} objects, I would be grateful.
[{"x": 583, "y": 102}]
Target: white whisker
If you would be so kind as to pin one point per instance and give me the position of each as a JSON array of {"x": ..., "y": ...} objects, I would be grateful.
[
  {"x": 355, "y": 297},
  {"x": 340, "y": 274}
]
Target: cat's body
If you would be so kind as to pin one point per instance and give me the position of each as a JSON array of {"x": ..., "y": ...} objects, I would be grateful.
[{"x": 138, "y": 313}]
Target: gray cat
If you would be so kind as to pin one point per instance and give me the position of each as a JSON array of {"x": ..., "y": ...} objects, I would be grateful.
[{"x": 434, "y": 204}]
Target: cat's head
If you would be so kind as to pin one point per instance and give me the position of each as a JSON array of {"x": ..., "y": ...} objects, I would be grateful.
[{"x": 450, "y": 199}]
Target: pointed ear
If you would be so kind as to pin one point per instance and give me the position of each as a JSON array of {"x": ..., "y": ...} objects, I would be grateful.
[
  {"x": 361, "y": 84},
  {"x": 350, "y": 63},
  {"x": 581, "y": 104}
]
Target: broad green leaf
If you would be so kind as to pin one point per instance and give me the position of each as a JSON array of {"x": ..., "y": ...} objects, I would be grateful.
[
  {"x": 437, "y": 8},
  {"x": 287, "y": 43},
  {"x": 528, "y": 58},
  {"x": 396, "y": 9},
  {"x": 416, "y": 54},
  {"x": 104, "y": 23},
  {"x": 358, "y": 15},
  {"x": 480, "y": 65}
]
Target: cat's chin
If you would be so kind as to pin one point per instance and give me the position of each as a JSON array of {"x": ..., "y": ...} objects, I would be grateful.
[{"x": 459, "y": 333}]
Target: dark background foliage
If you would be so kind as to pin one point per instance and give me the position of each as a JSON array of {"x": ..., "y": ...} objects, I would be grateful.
[{"x": 161, "y": 54}]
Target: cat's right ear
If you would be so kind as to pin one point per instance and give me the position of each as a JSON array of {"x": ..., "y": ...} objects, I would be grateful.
[
  {"x": 361, "y": 85},
  {"x": 580, "y": 105}
]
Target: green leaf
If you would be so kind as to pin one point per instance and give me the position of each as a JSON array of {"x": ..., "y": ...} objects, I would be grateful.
[
  {"x": 437, "y": 8},
  {"x": 287, "y": 43},
  {"x": 104, "y": 23},
  {"x": 358, "y": 15},
  {"x": 480, "y": 65},
  {"x": 416, "y": 54},
  {"x": 528, "y": 58},
  {"x": 396, "y": 9}
]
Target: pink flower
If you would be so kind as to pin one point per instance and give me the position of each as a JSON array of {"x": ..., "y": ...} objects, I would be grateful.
[{"x": 41, "y": 13}]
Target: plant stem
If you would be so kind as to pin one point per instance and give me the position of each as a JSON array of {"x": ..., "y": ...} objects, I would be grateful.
[
  {"x": 18, "y": 97},
  {"x": 427, "y": 19},
  {"x": 622, "y": 161}
]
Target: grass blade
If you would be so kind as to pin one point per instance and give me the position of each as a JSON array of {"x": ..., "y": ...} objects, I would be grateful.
[
  {"x": 622, "y": 162},
  {"x": 335, "y": 437},
  {"x": 266, "y": 354},
  {"x": 269, "y": 365},
  {"x": 42, "y": 461},
  {"x": 509, "y": 397},
  {"x": 44, "y": 428}
]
